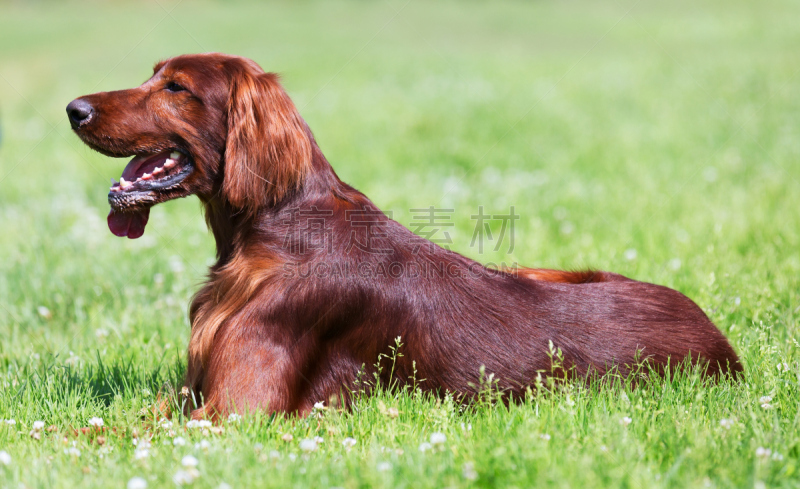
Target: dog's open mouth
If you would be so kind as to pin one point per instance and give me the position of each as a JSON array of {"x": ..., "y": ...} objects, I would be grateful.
[{"x": 146, "y": 180}]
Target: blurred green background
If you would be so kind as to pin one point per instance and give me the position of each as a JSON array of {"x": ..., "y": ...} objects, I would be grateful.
[{"x": 655, "y": 139}]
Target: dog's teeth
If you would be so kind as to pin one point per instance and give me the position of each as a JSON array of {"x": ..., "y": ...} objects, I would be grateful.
[
  {"x": 123, "y": 184},
  {"x": 157, "y": 170},
  {"x": 175, "y": 155},
  {"x": 169, "y": 163},
  {"x": 146, "y": 176}
]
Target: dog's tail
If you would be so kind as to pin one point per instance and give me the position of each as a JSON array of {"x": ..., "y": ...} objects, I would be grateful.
[{"x": 567, "y": 277}]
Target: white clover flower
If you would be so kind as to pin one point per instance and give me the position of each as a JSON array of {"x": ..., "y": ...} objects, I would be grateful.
[
  {"x": 204, "y": 423},
  {"x": 202, "y": 445},
  {"x": 308, "y": 445},
  {"x": 73, "y": 359},
  {"x": 783, "y": 367},
  {"x": 466, "y": 427},
  {"x": 763, "y": 452},
  {"x": 393, "y": 412},
  {"x": 777, "y": 456},
  {"x": 726, "y": 423},
  {"x": 193, "y": 423},
  {"x": 766, "y": 406},
  {"x": 137, "y": 483},
  {"x": 141, "y": 453},
  {"x": 175, "y": 264},
  {"x": 349, "y": 442},
  {"x": 765, "y": 400},
  {"x": 318, "y": 439},
  {"x": 468, "y": 471},
  {"x": 223, "y": 485},
  {"x": 73, "y": 451},
  {"x": 319, "y": 406},
  {"x": 287, "y": 437},
  {"x": 38, "y": 425},
  {"x": 96, "y": 422},
  {"x": 166, "y": 424},
  {"x": 184, "y": 477},
  {"x": 44, "y": 312},
  {"x": 625, "y": 421},
  {"x": 425, "y": 446},
  {"x": 384, "y": 467},
  {"x": 189, "y": 461},
  {"x": 179, "y": 441},
  {"x": 234, "y": 418},
  {"x": 274, "y": 454},
  {"x": 438, "y": 439},
  {"x": 5, "y": 458},
  {"x": 10, "y": 422},
  {"x": 545, "y": 437}
]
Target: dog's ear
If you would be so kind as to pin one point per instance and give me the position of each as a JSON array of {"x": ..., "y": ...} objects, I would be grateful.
[{"x": 268, "y": 151}]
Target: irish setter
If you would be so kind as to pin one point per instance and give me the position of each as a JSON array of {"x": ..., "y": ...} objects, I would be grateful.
[{"x": 313, "y": 282}]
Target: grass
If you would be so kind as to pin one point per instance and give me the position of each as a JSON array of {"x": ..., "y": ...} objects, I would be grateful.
[{"x": 658, "y": 140}]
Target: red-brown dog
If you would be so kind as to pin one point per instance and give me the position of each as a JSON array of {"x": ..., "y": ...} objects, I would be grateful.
[{"x": 313, "y": 281}]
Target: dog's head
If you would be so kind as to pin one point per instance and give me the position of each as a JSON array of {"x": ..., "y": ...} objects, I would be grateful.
[{"x": 213, "y": 125}]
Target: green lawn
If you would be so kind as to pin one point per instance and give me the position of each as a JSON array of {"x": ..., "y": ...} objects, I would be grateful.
[{"x": 659, "y": 140}]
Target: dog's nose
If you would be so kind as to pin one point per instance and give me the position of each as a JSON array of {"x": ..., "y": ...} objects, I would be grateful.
[{"x": 79, "y": 112}]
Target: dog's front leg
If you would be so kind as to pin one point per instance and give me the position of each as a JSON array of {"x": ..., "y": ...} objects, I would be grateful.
[{"x": 246, "y": 370}]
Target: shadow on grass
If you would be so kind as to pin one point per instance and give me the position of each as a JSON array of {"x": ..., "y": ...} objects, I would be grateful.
[
  {"x": 124, "y": 377},
  {"x": 100, "y": 381}
]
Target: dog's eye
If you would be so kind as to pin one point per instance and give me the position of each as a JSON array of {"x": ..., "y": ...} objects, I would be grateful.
[{"x": 174, "y": 87}]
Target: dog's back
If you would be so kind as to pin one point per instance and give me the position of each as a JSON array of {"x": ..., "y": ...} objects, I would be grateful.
[{"x": 511, "y": 326}]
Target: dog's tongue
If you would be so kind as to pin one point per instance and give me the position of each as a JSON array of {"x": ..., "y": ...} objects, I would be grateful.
[{"x": 130, "y": 224}]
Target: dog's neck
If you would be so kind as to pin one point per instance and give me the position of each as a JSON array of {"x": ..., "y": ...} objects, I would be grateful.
[{"x": 230, "y": 226}]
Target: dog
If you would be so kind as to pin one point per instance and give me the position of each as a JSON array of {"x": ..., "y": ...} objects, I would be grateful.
[{"x": 302, "y": 300}]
